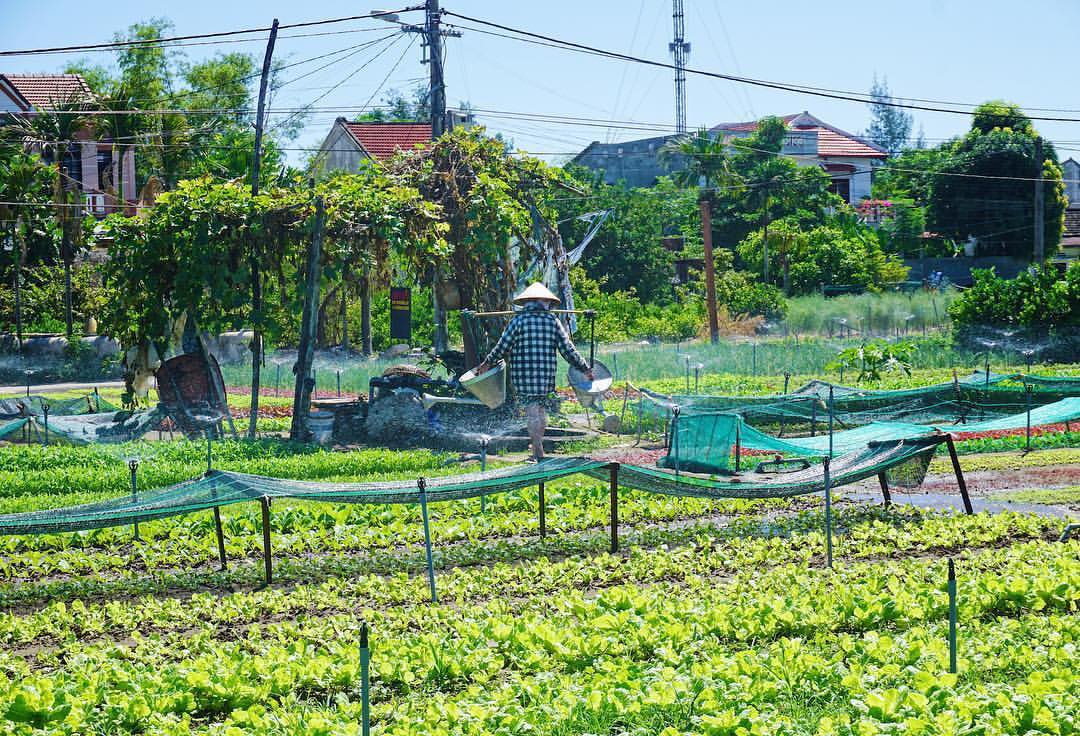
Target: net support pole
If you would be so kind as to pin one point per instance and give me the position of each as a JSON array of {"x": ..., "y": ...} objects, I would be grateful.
[
  {"x": 828, "y": 516},
  {"x": 787, "y": 381},
  {"x": 738, "y": 446},
  {"x": 884, "y": 481},
  {"x": 421, "y": 484},
  {"x": 45, "y": 416},
  {"x": 220, "y": 537},
  {"x": 675, "y": 411},
  {"x": 365, "y": 681},
  {"x": 542, "y": 501},
  {"x": 133, "y": 466},
  {"x": 268, "y": 563},
  {"x": 960, "y": 482},
  {"x": 613, "y": 493},
  {"x": 952, "y": 617},
  {"x": 483, "y": 468},
  {"x": 209, "y": 451},
  {"x": 813, "y": 418},
  {"x": 830, "y": 421},
  {"x": 1027, "y": 391}
]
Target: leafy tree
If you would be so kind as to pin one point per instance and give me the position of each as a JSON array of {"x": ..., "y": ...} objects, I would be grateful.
[
  {"x": 397, "y": 108},
  {"x": 911, "y": 174},
  {"x": 890, "y": 127},
  {"x": 26, "y": 193},
  {"x": 628, "y": 251},
  {"x": 840, "y": 252},
  {"x": 988, "y": 192}
]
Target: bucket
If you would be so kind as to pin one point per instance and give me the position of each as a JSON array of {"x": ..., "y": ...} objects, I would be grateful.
[
  {"x": 321, "y": 424},
  {"x": 489, "y": 386},
  {"x": 588, "y": 392}
]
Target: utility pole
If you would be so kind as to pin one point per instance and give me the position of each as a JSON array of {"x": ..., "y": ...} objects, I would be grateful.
[
  {"x": 432, "y": 33},
  {"x": 679, "y": 49},
  {"x": 437, "y": 97},
  {"x": 253, "y": 250},
  {"x": 1040, "y": 208}
]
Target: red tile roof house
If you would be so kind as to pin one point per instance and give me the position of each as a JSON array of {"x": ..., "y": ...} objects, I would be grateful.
[
  {"x": 349, "y": 144},
  {"x": 849, "y": 159},
  {"x": 91, "y": 163}
]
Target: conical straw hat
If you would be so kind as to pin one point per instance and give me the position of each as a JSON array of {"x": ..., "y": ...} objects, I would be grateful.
[{"x": 536, "y": 291}]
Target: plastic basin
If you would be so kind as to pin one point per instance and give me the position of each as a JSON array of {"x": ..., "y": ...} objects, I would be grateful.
[{"x": 587, "y": 391}]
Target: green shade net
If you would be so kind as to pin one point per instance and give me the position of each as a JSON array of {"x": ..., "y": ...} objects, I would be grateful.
[
  {"x": 975, "y": 396},
  {"x": 703, "y": 442},
  {"x": 850, "y": 468},
  {"x": 219, "y": 488},
  {"x": 35, "y": 406}
]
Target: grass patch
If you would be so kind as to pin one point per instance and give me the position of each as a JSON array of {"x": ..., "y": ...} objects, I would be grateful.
[{"x": 1009, "y": 460}]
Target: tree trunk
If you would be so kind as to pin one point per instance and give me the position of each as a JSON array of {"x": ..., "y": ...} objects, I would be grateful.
[
  {"x": 305, "y": 354},
  {"x": 344, "y": 312},
  {"x": 18, "y": 284},
  {"x": 256, "y": 339},
  {"x": 710, "y": 266},
  {"x": 365, "y": 315}
]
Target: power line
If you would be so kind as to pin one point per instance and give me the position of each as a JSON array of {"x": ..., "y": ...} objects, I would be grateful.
[
  {"x": 859, "y": 97},
  {"x": 198, "y": 36}
]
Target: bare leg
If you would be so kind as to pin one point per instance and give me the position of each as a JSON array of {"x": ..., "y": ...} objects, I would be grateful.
[{"x": 536, "y": 418}]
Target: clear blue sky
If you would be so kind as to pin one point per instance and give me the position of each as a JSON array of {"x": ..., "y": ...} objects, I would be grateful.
[{"x": 962, "y": 50}]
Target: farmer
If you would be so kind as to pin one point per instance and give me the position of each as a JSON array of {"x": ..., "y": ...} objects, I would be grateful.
[{"x": 531, "y": 338}]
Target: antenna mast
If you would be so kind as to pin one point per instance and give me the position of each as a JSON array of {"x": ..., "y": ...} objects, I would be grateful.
[{"x": 679, "y": 49}]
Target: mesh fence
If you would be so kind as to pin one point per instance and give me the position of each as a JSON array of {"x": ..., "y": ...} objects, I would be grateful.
[{"x": 850, "y": 468}]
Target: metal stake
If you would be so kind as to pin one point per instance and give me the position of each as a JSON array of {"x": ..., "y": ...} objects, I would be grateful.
[
  {"x": 959, "y": 474},
  {"x": 675, "y": 411},
  {"x": 339, "y": 384},
  {"x": 209, "y": 451},
  {"x": 422, "y": 485},
  {"x": 220, "y": 537},
  {"x": 787, "y": 380},
  {"x": 543, "y": 510},
  {"x": 687, "y": 374},
  {"x": 884, "y": 482},
  {"x": 133, "y": 466},
  {"x": 613, "y": 492},
  {"x": 45, "y": 416},
  {"x": 483, "y": 468},
  {"x": 1027, "y": 390},
  {"x": 738, "y": 445},
  {"x": 830, "y": 421},
  {"x": 365, "y": 682},
  {"x": 828, "y": 515},
  {"x": 952, "y": 617},
  {"x": 268, "y": 564}
]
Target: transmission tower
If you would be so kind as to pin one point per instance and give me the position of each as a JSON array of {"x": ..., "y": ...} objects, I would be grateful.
[{"x": 679, "y": 49}]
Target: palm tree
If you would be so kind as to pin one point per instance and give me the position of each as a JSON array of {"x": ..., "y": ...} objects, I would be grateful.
[
  {"x": 23, "y": 180},
  {"x": 51, "y": 132},
  {"x": 121, "y": 122},
  {"x": 704, "y": 163}
]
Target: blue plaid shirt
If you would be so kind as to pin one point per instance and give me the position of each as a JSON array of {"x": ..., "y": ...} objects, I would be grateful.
[{"x": 531, "y": 338}]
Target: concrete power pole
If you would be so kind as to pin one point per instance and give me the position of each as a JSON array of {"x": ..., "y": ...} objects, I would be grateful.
[
  {"x": 679, "y": 49},
  {"x": 1040, "y": 208},
  {"x": 437, "y": 95}
]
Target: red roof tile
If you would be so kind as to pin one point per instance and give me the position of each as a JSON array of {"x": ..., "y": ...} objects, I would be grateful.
[
  {"x": 830, "y": 141},
  {"x": 43, "y": 90},
  {"x": 381, "y": 140}
]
